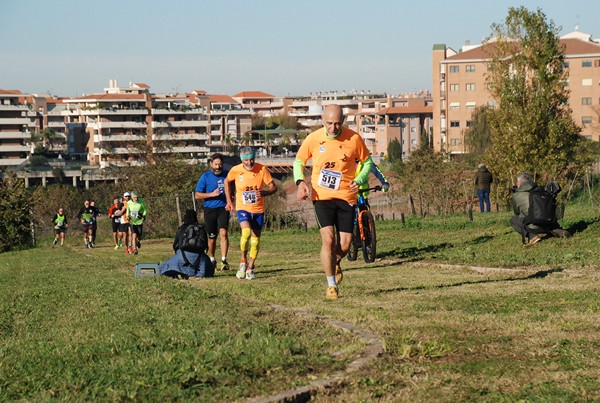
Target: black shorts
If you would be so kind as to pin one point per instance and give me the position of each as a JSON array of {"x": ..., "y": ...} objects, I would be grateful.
[
  {"x": 137, "y": 229},
  {"x": 337, "y": 213},
  {"x": 124, "y": 227},
  {"x": 115, "y": 226},
  {"x": 215, "y": 219},
  {"x": 59, "y": 230}
]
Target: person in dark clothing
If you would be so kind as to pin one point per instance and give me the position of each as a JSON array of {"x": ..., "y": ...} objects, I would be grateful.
[
  {"x": 483, "y": 181},
  {"x": 520, "y": 201},
  {"x": 193, "y": 264},
  {"x": 95, "y": 220}
]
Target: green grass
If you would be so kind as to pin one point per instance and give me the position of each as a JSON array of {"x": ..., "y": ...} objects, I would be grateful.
[{"x": 77, "y": 325}]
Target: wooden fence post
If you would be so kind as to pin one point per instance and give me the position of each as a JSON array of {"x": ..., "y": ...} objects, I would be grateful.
[{"x": 180, "y": 220}]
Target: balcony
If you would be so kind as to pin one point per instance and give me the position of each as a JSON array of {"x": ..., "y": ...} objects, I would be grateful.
[
  {"x": 117, "y": 125},
  {"x": 15, "y": 148},
  {"x": 16, "y": 121},
  {"x": 119, "y": 137},
  {"x": 13, "y": 107},
  {"x": 161, "y": 111},
  {"x": 183, "y": 149},
  {"x": 180, "y": 136},
  {"x": 181, "y": 123},
  {"x": 14, "y": 135},
  {"x": 119, "y": 150},
  {"x": 56, "y": 124},
  {"x": 11, "y": 161},
  {"x": 120, "y": 112}
]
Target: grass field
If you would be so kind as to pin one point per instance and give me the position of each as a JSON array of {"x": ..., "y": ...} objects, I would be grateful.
[{"x": 464, "y": 312}]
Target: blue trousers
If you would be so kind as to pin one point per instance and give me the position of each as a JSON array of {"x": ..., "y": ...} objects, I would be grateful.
[{"x": 484, "y": 197}]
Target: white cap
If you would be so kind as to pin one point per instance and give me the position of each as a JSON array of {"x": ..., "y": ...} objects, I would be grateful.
[{"x": 126, "y": 194}]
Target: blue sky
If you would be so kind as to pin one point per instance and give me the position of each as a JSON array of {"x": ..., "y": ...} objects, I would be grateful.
[{"x": 71, "y": 47}]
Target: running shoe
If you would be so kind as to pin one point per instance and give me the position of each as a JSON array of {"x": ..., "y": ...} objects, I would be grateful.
[
  {"x": 250, "y": 275},
  {"x": 241, "y": 273},
  {"x": 534, "y": 240},
  {"x": 332, "y": 292},
  {"x": 135, "y": 251},
  {"x": 55, "y": 241},
  {"x": 116, "y": 246},
  {"x": 339, "y": 276},
  {"x": 224, "y": 264}
]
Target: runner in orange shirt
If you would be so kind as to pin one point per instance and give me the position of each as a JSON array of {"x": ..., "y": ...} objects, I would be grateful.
[
  {"x": 334, "y": 150},
  {"x": 250, "y": 179}
]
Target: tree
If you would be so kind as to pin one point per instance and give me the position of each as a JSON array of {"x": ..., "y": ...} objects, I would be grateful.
[
  {"x": 247, "y": 139},
  {"x": 478, "y": 136},
  {"x": 532, "y": 128},
  {"x": 15, "y": 213},
  {"x": 394, "y": 151}
]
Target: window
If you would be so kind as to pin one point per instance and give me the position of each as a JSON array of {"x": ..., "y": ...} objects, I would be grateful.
[
  {"x": 454, "y": 69},
  {"x": 586, "y": 120},
  {"x": 469, "y": 123},
  {"x": 586, "y": 63},
  {"x": 455, "y": 142},
  {"x": 597, "y": 63},
  {"x": 492, "y": 104},
  {"x": 470, "y": 105},
  {"x": 470, "y": 86},
  {"x": 455, "y": 105},
  {"x": 586, "y": 101},
  {"x": 454, "y": 87},
  {"x": 470, "y": 68},
  {"x": 454, "y": 123},
  {"x": 586, "y": 82},
  {"x": 413, "y": 142},
  {"x": 566, "y": 65}
]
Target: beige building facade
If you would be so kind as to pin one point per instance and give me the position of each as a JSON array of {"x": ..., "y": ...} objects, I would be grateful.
[{"x": 459, "y": 86}]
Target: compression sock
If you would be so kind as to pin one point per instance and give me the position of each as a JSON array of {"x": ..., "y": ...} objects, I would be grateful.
[
  {"x": 246, "y": 233},
  {"x": 254, "y": 247}
]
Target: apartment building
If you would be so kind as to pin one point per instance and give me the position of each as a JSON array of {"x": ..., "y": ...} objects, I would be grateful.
[
  {"x": 129, "y": 125},
  {"x": 406, "y": 118},
  {"x": 459, "y": 86},
  {"x": 111, "y": 127},
  {"x": 18, "y": 120},
  {"x": 229, "y": 122},
  {"x": 261, "y": 103}
]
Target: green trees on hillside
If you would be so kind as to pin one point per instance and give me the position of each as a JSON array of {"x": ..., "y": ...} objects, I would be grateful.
[{"x": 531, "y": 127}]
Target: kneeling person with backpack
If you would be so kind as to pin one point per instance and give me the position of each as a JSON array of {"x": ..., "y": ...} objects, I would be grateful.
[
  {"x": 190, "y": 245},
  {"x": 535, "y": 210}
]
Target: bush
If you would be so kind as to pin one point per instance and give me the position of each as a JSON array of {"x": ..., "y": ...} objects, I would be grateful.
[{"x": 15, "y": 214}]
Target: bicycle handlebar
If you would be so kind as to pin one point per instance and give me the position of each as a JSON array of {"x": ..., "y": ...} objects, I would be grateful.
[{"x": 374, "y": 189}]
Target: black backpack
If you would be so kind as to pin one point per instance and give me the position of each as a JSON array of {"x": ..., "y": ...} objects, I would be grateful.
[
  {"x": 542, "y": 208},
  {"x": 194, "y": 239}
]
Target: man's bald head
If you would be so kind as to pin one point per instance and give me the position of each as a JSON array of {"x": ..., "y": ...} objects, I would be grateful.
[{"x": 333, "y": 118}]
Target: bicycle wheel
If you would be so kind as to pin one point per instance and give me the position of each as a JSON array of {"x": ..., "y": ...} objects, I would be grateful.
[
  {"x": 370, "y": 241},
  {"x": 354, "y": 245}
]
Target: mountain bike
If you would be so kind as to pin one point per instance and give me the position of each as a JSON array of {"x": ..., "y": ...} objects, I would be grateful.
[{"x": 363, "y": 233}]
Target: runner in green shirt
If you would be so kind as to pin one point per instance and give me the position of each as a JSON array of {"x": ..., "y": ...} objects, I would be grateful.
[
  {"x": 136, "y": 213},
  {"x": 60, "y": 226},
  {"x": 86, "y": 216}
]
